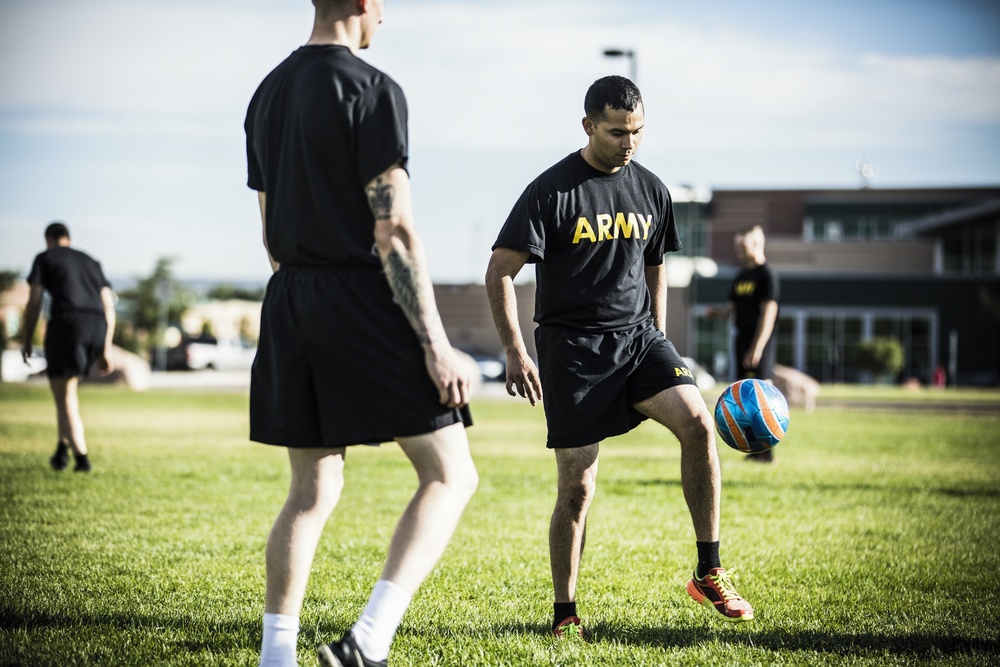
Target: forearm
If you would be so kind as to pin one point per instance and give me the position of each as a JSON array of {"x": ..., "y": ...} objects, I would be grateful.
[
  {"x": 765, "y": 325},
  {"x": 31, "y": 313},
  {"x": 109, "y": 315},
  {"x": 503, "y": 307},
  {"x": 406, "y": 271},
  {"x": 656, "y": 284},
  {"x": 262, "y": 201}
]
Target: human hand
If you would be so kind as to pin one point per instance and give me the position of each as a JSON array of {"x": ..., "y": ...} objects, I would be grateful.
[
  {"x": 450, "y": 374},
  {"x": 522, "y": 375},
  {"x": 105, "y": 365},
  {"x": 26, "y": 350},
  {"x": 751, "y": 359}
]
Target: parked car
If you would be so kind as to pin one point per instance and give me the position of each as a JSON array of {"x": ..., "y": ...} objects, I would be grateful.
[
  {"x": 210, "y": 353},
  {"x": 490, "y": 368}
]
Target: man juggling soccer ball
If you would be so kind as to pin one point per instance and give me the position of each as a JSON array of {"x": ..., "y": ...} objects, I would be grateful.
[{"x": 596, "y": 226}]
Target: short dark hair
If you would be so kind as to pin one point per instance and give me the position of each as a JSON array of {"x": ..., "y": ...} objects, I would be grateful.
[
  {"x": 56, "y": 231},
  {"x": 613, "y": 91}
]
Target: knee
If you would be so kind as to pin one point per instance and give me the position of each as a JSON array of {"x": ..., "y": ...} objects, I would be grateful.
[
  {"x": 463, "y": 480},
  {"x": 697, "y": 430},
  {"x": 576, "y": 494},
  {"x": 316, "y": 499}
]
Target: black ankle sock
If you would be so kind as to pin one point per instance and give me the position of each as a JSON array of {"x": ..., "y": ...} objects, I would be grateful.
[
  {"x": 708, "y": 557},
  {"x": 563, "y": 610}
]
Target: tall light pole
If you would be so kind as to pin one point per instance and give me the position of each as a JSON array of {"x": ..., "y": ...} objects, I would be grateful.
[{"x": 627, "y": 53}]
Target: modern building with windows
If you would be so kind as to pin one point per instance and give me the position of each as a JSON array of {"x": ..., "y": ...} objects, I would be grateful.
[{"x": 921, "y": 266}]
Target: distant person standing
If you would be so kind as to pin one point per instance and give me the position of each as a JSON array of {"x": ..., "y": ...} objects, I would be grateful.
[
  {"x": 78, "y": 334},
  {"x": 753, "y": 304},
  {"x": 352, "y": 348}
]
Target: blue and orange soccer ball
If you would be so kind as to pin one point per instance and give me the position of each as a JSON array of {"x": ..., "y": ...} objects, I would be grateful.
[{"x": 751, "y": 416}]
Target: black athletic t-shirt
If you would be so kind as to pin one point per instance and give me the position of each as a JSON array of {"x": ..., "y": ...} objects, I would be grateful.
[
  {"x": 590, "y": 236},
  {"x": 320, "y": 127},
  {"x": 749, "y": 290},
  {"x": 72, "y": 278}
]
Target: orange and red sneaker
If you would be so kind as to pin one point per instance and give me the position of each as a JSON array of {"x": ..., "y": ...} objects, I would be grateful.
[{"x": 716, "y": 591}]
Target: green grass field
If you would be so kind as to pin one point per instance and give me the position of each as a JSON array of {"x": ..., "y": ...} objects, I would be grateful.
[{"x": 873, "y": 542}]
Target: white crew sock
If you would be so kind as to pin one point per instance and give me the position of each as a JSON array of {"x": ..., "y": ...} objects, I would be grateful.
[
  {"x": 377, "y": 626},
  {"x": 281, "y": 634}
]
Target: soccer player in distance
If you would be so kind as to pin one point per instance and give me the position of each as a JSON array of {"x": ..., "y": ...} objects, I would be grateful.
[
  {"x": 753, "y": 305},
  {"x": 352, "y": 349},
  {"x": 78, "y": 334},
  {"x": 596, "y": 226}
]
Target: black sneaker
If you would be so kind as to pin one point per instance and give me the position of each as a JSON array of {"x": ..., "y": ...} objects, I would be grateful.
[
  {"x": 346, "y": 653},
  {"x": 60, "y": 459},
  {"x": 82, "y": 464}
]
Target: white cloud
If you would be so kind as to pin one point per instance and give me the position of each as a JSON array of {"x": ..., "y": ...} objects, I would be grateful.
[
  {"x": 477, "y": 74},
  {"x": 140, "y": 56},
  {"x": 127, "y": 114}
]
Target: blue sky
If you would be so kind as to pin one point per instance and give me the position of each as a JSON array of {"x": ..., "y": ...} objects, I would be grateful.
[{"x": 124, "y": 117}]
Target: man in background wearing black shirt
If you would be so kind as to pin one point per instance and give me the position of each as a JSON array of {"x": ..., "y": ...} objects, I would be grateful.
[
  {"x": 753, "y": 305},
  {"x": 79, "y": 332}
]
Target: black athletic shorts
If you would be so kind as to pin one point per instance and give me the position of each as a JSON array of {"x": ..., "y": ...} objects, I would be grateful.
[
  {"x": 591, "y": 381},
  {"x": 764, "y": 370},
  {"x": 338, "y": 364},
  {"x": 73, "y": 342}
]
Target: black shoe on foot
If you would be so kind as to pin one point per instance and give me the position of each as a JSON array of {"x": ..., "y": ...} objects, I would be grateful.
[
  {"x": 761, "y": 457},
  {"x": 346, "y": 653},
  {"x": 82, "y": 464},
  {"x": 60, "y": 459}
]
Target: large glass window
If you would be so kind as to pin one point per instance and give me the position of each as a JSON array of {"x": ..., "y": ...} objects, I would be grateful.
[
  {"x": 870, "y": 221},
  {"x": 710, "y": 347},
  {"x": 827, "y": 342},
  {"x": 971, "y": 250},
  {"x": 692, "y": 228},
  {"x": 785, "y": 354}
]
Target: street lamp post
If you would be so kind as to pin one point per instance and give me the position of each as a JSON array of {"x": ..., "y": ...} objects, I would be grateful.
[{"x": 626, "y": 53}]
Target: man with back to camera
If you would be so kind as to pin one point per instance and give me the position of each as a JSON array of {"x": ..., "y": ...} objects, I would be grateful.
[
  {"x": 352, "y": 349},
  {"x": 596, "y": 225},
  {"x": 753, "y": 305},
  {"x": 78, "y": 334}
]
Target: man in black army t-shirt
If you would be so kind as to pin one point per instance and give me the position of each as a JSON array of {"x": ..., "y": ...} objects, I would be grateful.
[
  {"x": 352, "y": 349},
  {"x": 596, "y": 225},
  {"x": 753, "y": 303},
  {"x": 78, "y": 334}
]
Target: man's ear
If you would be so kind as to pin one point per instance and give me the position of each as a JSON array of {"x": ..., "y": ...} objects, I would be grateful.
[{"x": 588, "y": 126}]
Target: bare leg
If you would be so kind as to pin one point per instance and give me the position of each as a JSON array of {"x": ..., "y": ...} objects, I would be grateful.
[
  {"x": 682, "y": 410},
  {"x": 317, "y": 479},
  {"x": 64, "y": 391},
  {"x": 577, "y": 484},
  {"x": 447, "y": 479}
]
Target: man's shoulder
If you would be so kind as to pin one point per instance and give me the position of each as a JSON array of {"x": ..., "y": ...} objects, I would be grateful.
[
  {"x": 641, "y": 173},
  {"x": 350, "y": 75},
  {"x": 566, "y": 173}
]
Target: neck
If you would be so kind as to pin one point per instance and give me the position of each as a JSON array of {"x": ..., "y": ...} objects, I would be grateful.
[
  {"x": 342, "y": 32},
  {"x": 588, "y": 157}
]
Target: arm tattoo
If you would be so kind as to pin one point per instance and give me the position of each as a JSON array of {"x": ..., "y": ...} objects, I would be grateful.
[
  {"x": 381, "y": 197},
  {"x": 403, "y": 280}
]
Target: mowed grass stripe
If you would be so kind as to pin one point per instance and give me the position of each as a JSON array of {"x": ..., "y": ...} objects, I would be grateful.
[{"x": 872, "y": 542}]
